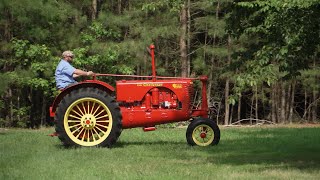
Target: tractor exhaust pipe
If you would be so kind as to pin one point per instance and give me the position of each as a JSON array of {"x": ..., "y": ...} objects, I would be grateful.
[{"x": 153, "y": 63}]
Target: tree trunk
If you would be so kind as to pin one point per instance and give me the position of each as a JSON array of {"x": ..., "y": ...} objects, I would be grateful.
[
  {"x": 309, "y": 110},
  {"x": 188, "y": 38},
  {"x": 183, "y": 45},
  {"x": 293, "y": 88},
  {"x": 18, "y": 107},
  {"x": 166, "y": 62},
  {"x": 32, "y": 113},
  {"x": 7, "y": 25},
  {"x": 256, "y": 102},
  {"x": 278, "y": 100},
  {"x": 94, "y": 12},
  {"x": 226, "y": 102},
  {"x": 11, "y": 105},
  {"x": 210, "y": 78},
  {"x": 239, "y": 107},
  {"x": 145, "y": 67},
  {"x": 288, "y": 101},
  {"x": 43, "y": 111},
  {"x": 251, "y": 109},
  {"x": 314, "y": 106},
  {"x": 231, "y": 113},
  {"x": 227, "y": 89},
  {"x": 314, "y": 95},
  {"x": 119, "y": 6},
  {"x": 273, "y": 103},
  {"x": 305, "y": 105},
  {"x": 218, "y": 9},
  {"x": 283, "y": 103},
  {"x": 212, "y": 60}
]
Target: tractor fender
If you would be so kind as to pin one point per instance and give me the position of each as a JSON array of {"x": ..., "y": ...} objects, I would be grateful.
[{"x": 88, "y": 83}]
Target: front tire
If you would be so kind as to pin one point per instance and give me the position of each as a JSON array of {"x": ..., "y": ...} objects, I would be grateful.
[
  {"x": 203, "y": 132},
  {"x": 88, "y": 117}
]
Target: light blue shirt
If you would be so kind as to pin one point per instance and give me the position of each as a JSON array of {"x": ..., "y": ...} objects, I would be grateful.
[{"x": 64, "y": 74}]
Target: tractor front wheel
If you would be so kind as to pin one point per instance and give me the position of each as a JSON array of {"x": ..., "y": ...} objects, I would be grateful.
[
  {"x": 203, "y": 132},
  {"x": 88, "y": 117}
]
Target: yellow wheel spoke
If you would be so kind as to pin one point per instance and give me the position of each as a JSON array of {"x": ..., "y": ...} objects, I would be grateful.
[
  {"x": 96, "y": 110},
  {"x": 88, "y": 138},
  {"x": 84, "y": 134},
  {"x": 103, "y": 121},
  {"x": 88, "y": 107},
  {"x": 102, "y": 126},
  {"x": 99, "y": 129},
  {"x": 79, "y": 133},
  {"x": 94, "y": 103},
  {"x": 102, "y": 116},
  {"x": 76, "y": 121},
  {"x": 84, "y": 108},
  {"x": 80, "y": 110},
  {"x": 99, "y": 113},
  {"x": 76, "y": 113},
  {"x": 96, "y": 133},
  {"x": 74, "y": 116},
  {"x": 93, "y": 135},
  {"x": 75, "y": 130},
  {"x": 74, "y": 126}
]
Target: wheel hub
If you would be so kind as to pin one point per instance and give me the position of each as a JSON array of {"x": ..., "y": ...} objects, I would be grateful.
[
  {"x": 88, "y": 121},
  {"x": 203, "y": 135}
]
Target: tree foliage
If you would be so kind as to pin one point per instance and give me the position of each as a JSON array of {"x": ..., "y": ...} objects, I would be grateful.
[{"x": 258, "y": 48}]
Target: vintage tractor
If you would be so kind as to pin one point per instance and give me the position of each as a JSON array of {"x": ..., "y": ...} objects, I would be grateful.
[{"x": 91, "y": 114}]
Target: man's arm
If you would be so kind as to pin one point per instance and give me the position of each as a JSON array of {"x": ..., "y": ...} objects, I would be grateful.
[{"x": 79, "y": 72}]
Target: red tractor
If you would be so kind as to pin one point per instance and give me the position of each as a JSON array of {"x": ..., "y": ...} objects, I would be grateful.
[{"x": 88, "y": 113}]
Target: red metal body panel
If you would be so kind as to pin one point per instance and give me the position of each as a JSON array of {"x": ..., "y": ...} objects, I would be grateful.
[
  {"x": 130, "y": 91},
  {"x": 148, "y": 103},
  {"x": 139, "y": 117}
]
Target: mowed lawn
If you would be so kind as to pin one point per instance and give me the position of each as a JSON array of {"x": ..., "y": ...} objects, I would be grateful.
[{"x": 243, "y": 153}]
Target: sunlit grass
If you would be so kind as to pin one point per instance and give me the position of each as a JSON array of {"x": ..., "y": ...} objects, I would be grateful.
[{"x": 243, "y": 153}]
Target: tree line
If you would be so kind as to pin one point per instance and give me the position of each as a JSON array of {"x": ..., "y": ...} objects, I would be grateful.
[{"x": 261, "y": 56}]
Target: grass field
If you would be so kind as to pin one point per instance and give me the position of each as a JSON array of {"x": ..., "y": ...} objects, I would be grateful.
[{"x": 243, "y": 153}]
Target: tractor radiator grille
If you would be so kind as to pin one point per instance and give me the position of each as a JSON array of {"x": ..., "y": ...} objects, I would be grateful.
[{"x": 191, "y": 95}]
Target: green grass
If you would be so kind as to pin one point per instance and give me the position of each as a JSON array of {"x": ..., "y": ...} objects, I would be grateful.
[{"x": 243, "y": 153}]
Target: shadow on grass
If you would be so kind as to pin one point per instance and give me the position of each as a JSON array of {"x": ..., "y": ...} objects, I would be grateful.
[
  {"x": 276, "y": 148},
  {"x": 124, "y": 144},
  {"x": 62, "y": 147}
]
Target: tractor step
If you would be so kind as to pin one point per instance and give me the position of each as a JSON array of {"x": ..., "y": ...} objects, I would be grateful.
[{"x": 145, "y": 129}]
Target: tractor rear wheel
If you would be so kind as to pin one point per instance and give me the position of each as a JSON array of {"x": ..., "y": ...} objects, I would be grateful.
[
  {"x": 203, "y": 132},
  {"x": 88, "y": 117}
]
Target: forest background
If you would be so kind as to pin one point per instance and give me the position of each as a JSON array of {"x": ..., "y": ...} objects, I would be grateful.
[{"x": 261, "y": 57}]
